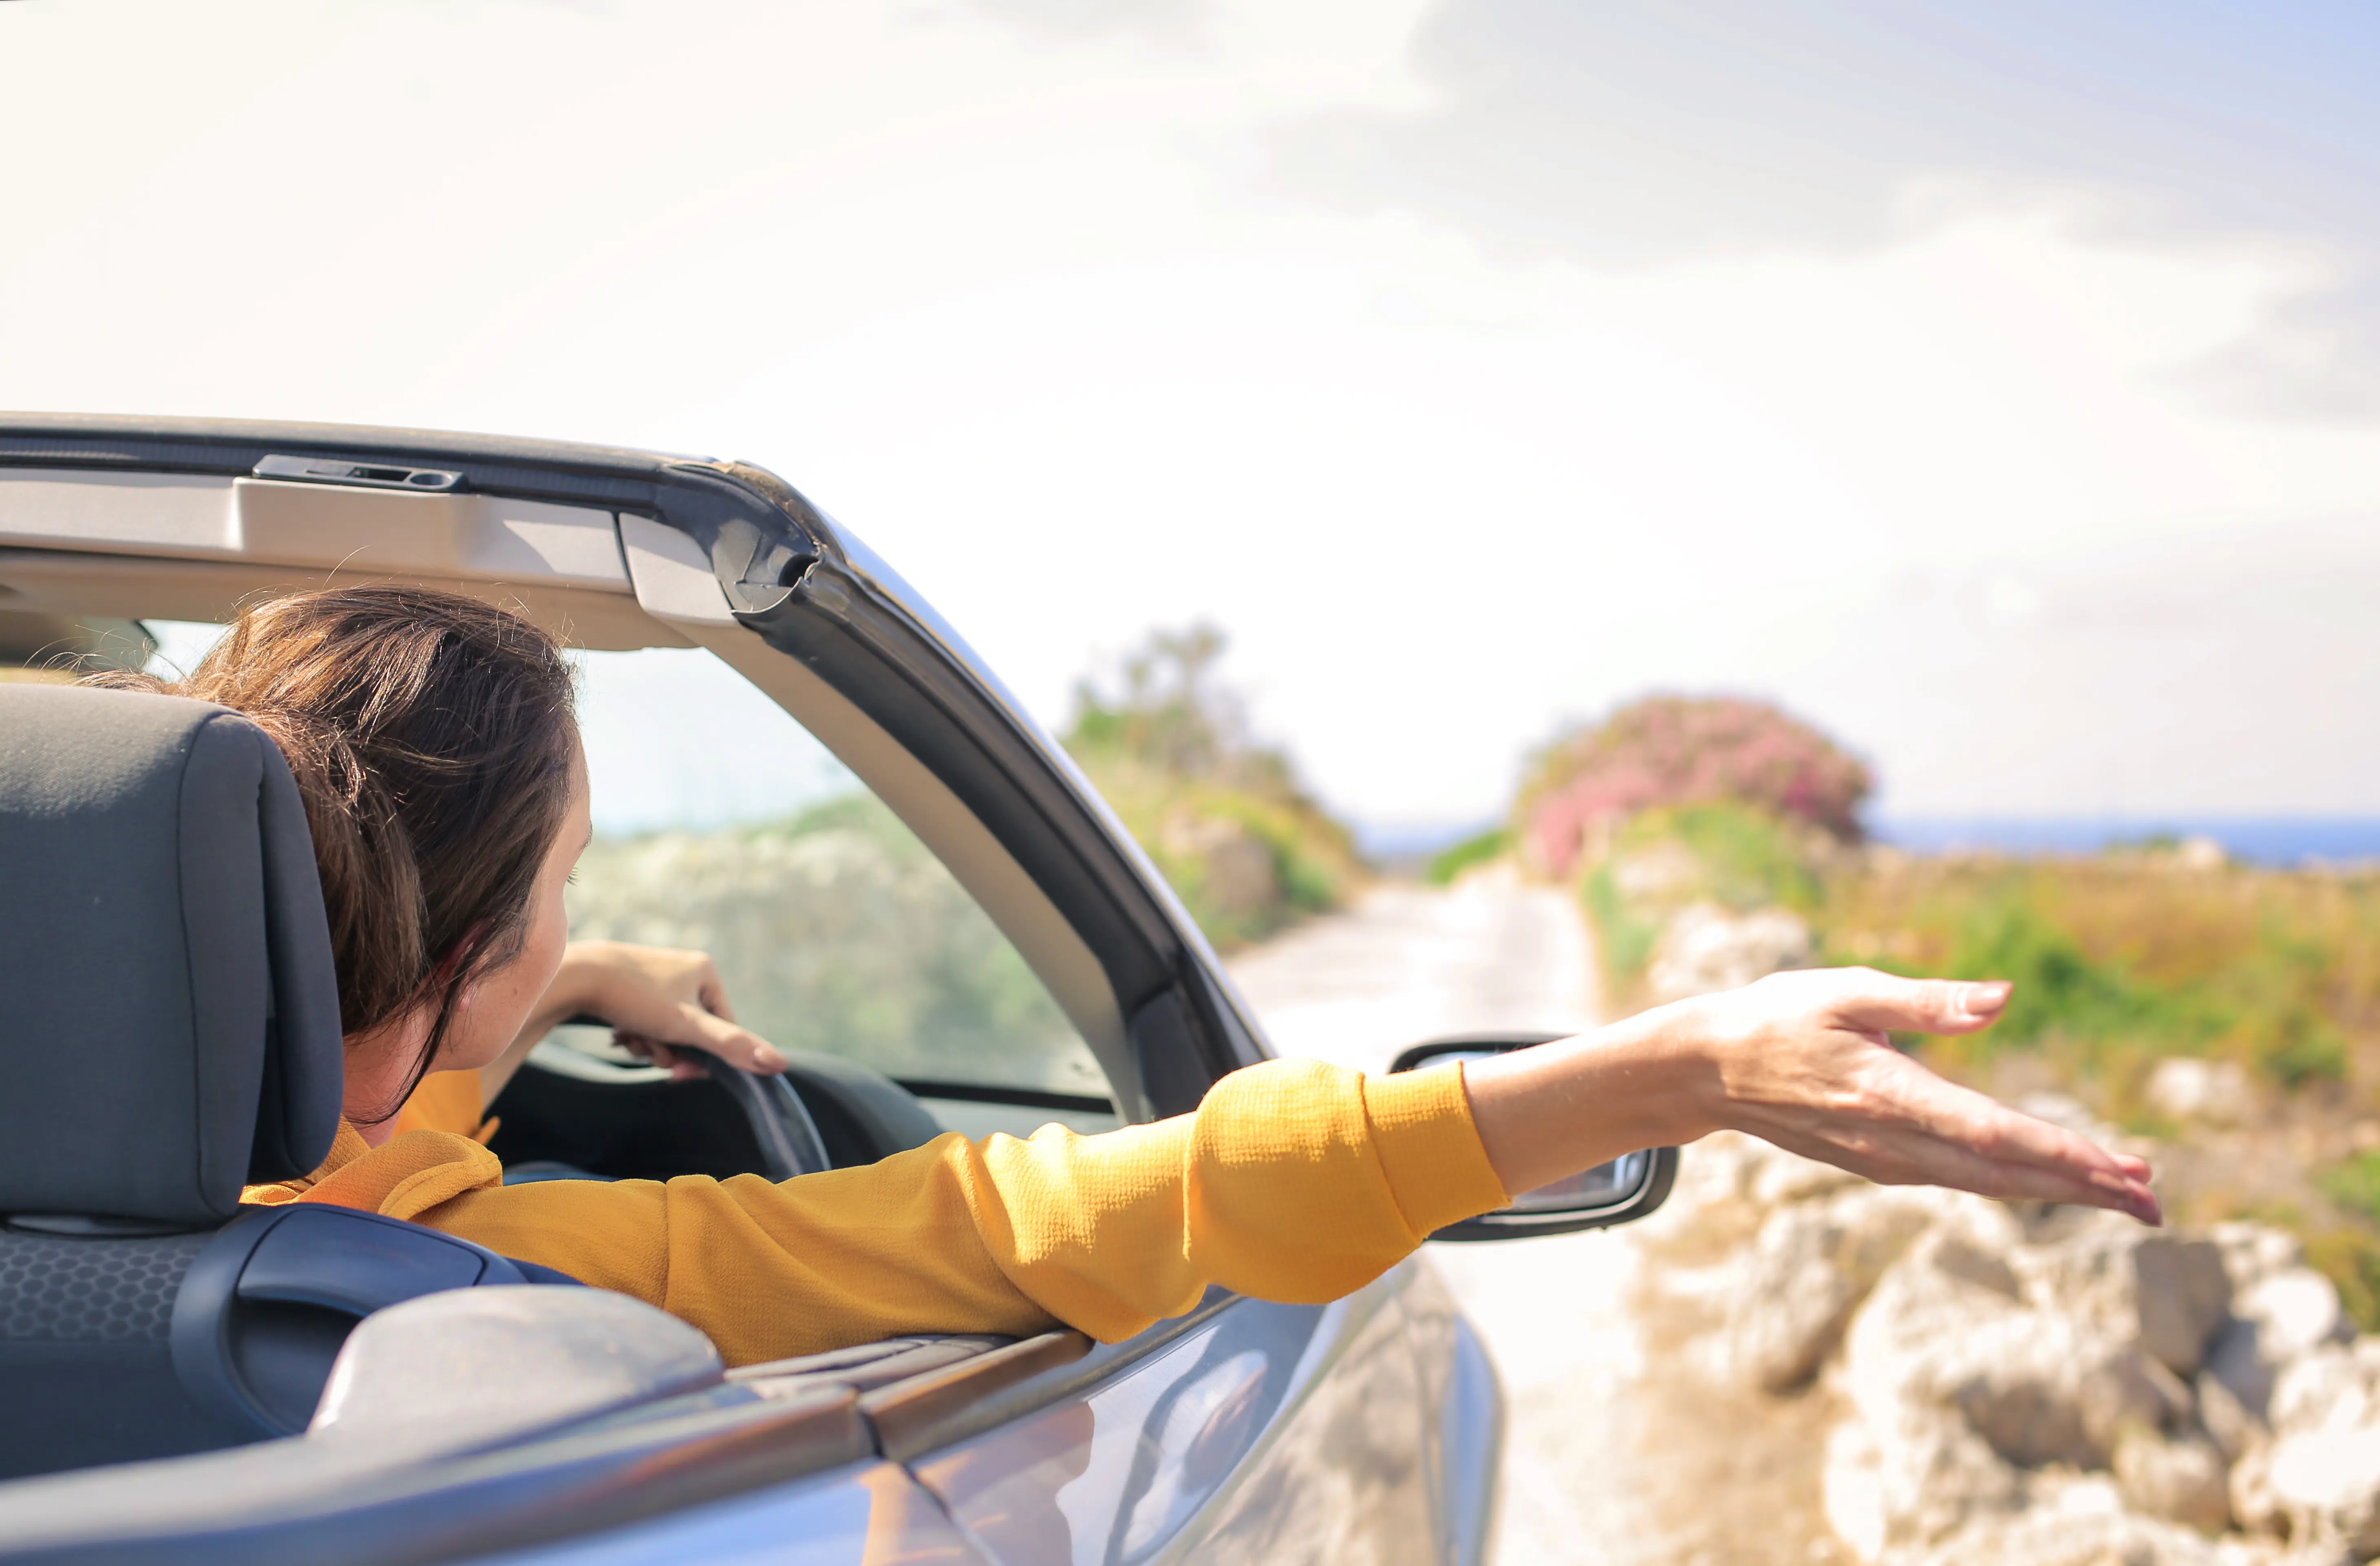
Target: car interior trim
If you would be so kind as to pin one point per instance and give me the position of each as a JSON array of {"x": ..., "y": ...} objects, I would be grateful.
[
  {"x": 144, "y": 586},
  {"x": 990, "y": 1406},
  {"x": 908, "y": 1415}
]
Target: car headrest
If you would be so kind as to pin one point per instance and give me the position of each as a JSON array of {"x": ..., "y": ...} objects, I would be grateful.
[{"x": 169, "y": 1014}]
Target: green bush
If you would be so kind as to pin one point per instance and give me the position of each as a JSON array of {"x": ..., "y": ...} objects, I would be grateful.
[
  {"x": 1747, "y": 858},
  {"x": 1223, "y": 817},
  {"x": 2350, "y": 1258},
  {"x": 2060, "y": 991},
  {"x": 2355, "y": 1185},
  {"x": 1624, "y": 938},
  {"x": 1484, "y": 848}
]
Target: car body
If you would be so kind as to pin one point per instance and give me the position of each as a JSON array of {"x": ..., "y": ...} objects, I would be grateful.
[{"x": 1366, "y": 1429}]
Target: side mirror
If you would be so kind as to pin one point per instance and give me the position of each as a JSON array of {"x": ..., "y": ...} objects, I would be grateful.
[{"x": 1620, "y": 1192}]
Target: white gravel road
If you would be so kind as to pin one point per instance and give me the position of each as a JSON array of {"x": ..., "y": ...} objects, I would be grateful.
[{"x": 1410, "y": 962}]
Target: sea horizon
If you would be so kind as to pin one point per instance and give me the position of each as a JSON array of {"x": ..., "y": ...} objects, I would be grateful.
[{"x": 2279, "y": 841}]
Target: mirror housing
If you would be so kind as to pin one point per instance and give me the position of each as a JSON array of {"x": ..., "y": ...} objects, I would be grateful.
[{"x": 1622, "y": 1191}]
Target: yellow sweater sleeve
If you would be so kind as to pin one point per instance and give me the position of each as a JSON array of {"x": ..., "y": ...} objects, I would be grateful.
[{"x": 1293, "y": 1181}]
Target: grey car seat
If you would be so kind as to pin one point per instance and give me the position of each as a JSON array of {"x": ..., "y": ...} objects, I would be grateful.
[{"x": 169, "y": 1031}]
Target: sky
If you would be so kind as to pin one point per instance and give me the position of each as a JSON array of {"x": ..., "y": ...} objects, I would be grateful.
[{"x": 1997, "y": 387}]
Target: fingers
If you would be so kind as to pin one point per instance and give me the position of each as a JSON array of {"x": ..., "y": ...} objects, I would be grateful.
[
  {"x": 1967, "y": 1140},
  {"x": 1893, "y": 1121},
  {"x": 681, "y": 1066},
  {"x": 697, "y": 1029},
  {"x": 1883, "y": 1001},
  {"x": 715, "y": 1035}
]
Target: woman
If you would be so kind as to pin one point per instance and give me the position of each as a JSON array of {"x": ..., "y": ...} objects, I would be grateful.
[{"x": 432, "y": 738}]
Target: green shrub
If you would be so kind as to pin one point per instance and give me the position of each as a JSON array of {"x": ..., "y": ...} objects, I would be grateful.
[
  {"x": 1223, "y": 817},
  {"x": 1484, "y": 848},
  {"x": 2059, "y": 991},
  {"x": 1737, "y": 855},
  {"x": 1624, "y": 938},
  {"x": 2350, "y": 1258},
  {"x": 2355, "y": 1185},
  {"x": 1746, "y": 857}
]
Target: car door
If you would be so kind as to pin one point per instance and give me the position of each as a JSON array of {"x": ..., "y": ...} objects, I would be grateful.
[{"x": 1247, "y": 1432}]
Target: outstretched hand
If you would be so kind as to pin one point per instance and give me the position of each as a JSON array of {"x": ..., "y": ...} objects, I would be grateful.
[{"x": 1806, "y": 1060}]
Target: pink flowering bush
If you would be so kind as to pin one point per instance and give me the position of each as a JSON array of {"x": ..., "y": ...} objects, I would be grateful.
[{"x": 1669, "y": 750}]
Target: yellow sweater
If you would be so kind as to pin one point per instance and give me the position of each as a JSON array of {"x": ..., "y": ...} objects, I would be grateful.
[{"x": 1293, "y": 1181}]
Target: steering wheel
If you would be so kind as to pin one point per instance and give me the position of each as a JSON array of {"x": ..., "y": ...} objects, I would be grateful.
[
  {"x": 824, "y": 1112},
  {"x": 790, "y": 1143}
]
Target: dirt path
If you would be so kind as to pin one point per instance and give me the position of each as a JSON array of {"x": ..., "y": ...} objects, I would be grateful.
[{"x": 1621, "y": 1449}]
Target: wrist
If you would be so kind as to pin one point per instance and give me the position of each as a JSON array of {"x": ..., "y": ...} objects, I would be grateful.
[{"x": 1686, "y": 1067}]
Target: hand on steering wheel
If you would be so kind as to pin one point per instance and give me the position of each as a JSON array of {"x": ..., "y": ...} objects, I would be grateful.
[{"x": 661, "y": 1002}]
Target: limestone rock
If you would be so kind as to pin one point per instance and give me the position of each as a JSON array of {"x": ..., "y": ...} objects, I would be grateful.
[
  {"x": 1909, "y": 1469},
  {"x": 1784, "y": 1177},
  {"x": 2184, "y": 1480},
  {"x": 1909, "y": 1484},
  {"x": 2060, "y": 1538},
  {"x": 2167, "y": 1293},
  {"x": 2186, "y": 1088},
  {"x": 2254, "y": 1252},
  {"x": 2278, "y": 1319},
  {"x": 2045, "y": 1388},
  {"x": 1813, "y": 1263},
  {"x": 2230, "y": 1423},
  {"x": 2322, "y": 1469},
  {"x": 1705, "y": 947},
  {"x": 2039, "y": 1540}
]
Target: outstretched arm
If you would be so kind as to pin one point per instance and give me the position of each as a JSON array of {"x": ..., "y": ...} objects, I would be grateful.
[
  {"x": 1802, "y": 1060},
  {"x": 1294, "y": 1180}
]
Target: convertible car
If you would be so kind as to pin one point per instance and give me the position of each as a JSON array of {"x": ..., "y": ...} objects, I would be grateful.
[{"x": 798, "y": 767}]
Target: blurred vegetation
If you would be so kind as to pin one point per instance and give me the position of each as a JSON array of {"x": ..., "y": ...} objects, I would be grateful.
[
  {"x": 1483, "y": 848},
  {"x": 836, "y": 930},
  {"x": 2121, "y": 959},
  {"x": 1668, "y": 751},
  {"x": 1224, "y": 816},
  {"x": 2127, "y": 956},
  {"x": 1657, "y": 862}
]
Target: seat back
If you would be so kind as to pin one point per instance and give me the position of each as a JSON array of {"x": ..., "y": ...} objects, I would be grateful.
[
  {"x": 169, "y": 1017},
  {"x": 169, "y": 1031}
]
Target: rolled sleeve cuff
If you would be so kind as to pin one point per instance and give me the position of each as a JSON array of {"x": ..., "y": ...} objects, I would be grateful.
[{"x": 1429, "y": 1149}]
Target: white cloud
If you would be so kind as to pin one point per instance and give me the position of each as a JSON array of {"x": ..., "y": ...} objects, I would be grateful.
[{"x": 1025, "y": 313}]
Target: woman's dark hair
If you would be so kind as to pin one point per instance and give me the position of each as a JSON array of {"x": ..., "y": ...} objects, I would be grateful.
[{"x": 431, "y": 736}]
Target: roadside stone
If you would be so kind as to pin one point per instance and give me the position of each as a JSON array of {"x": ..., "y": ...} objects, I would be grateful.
[
  {"x": 2184, "y": 1480},
  {"x": 2322, "y": 1471},
  {"x": 2042, "y": 1388},
  {"x": 1911, "y": 1483},
  {"x": 1812, "y": 1265},
  {"x": 2280, "y": 1318},
  {"x": 2186, "y": 1088},
  {"x": 1783, "y": 1177},
  {"x": 2167, "y": 1293},
  {"x": 1909, "y": 1469},
  {"x": 2226, "y": 1421},
  {"x": 2058, "y": 1537},
  {"x": 2254, "y": 1252}
]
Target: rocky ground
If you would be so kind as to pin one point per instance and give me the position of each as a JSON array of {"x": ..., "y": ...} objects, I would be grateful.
[{"x": 1790, "y": 1365}]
